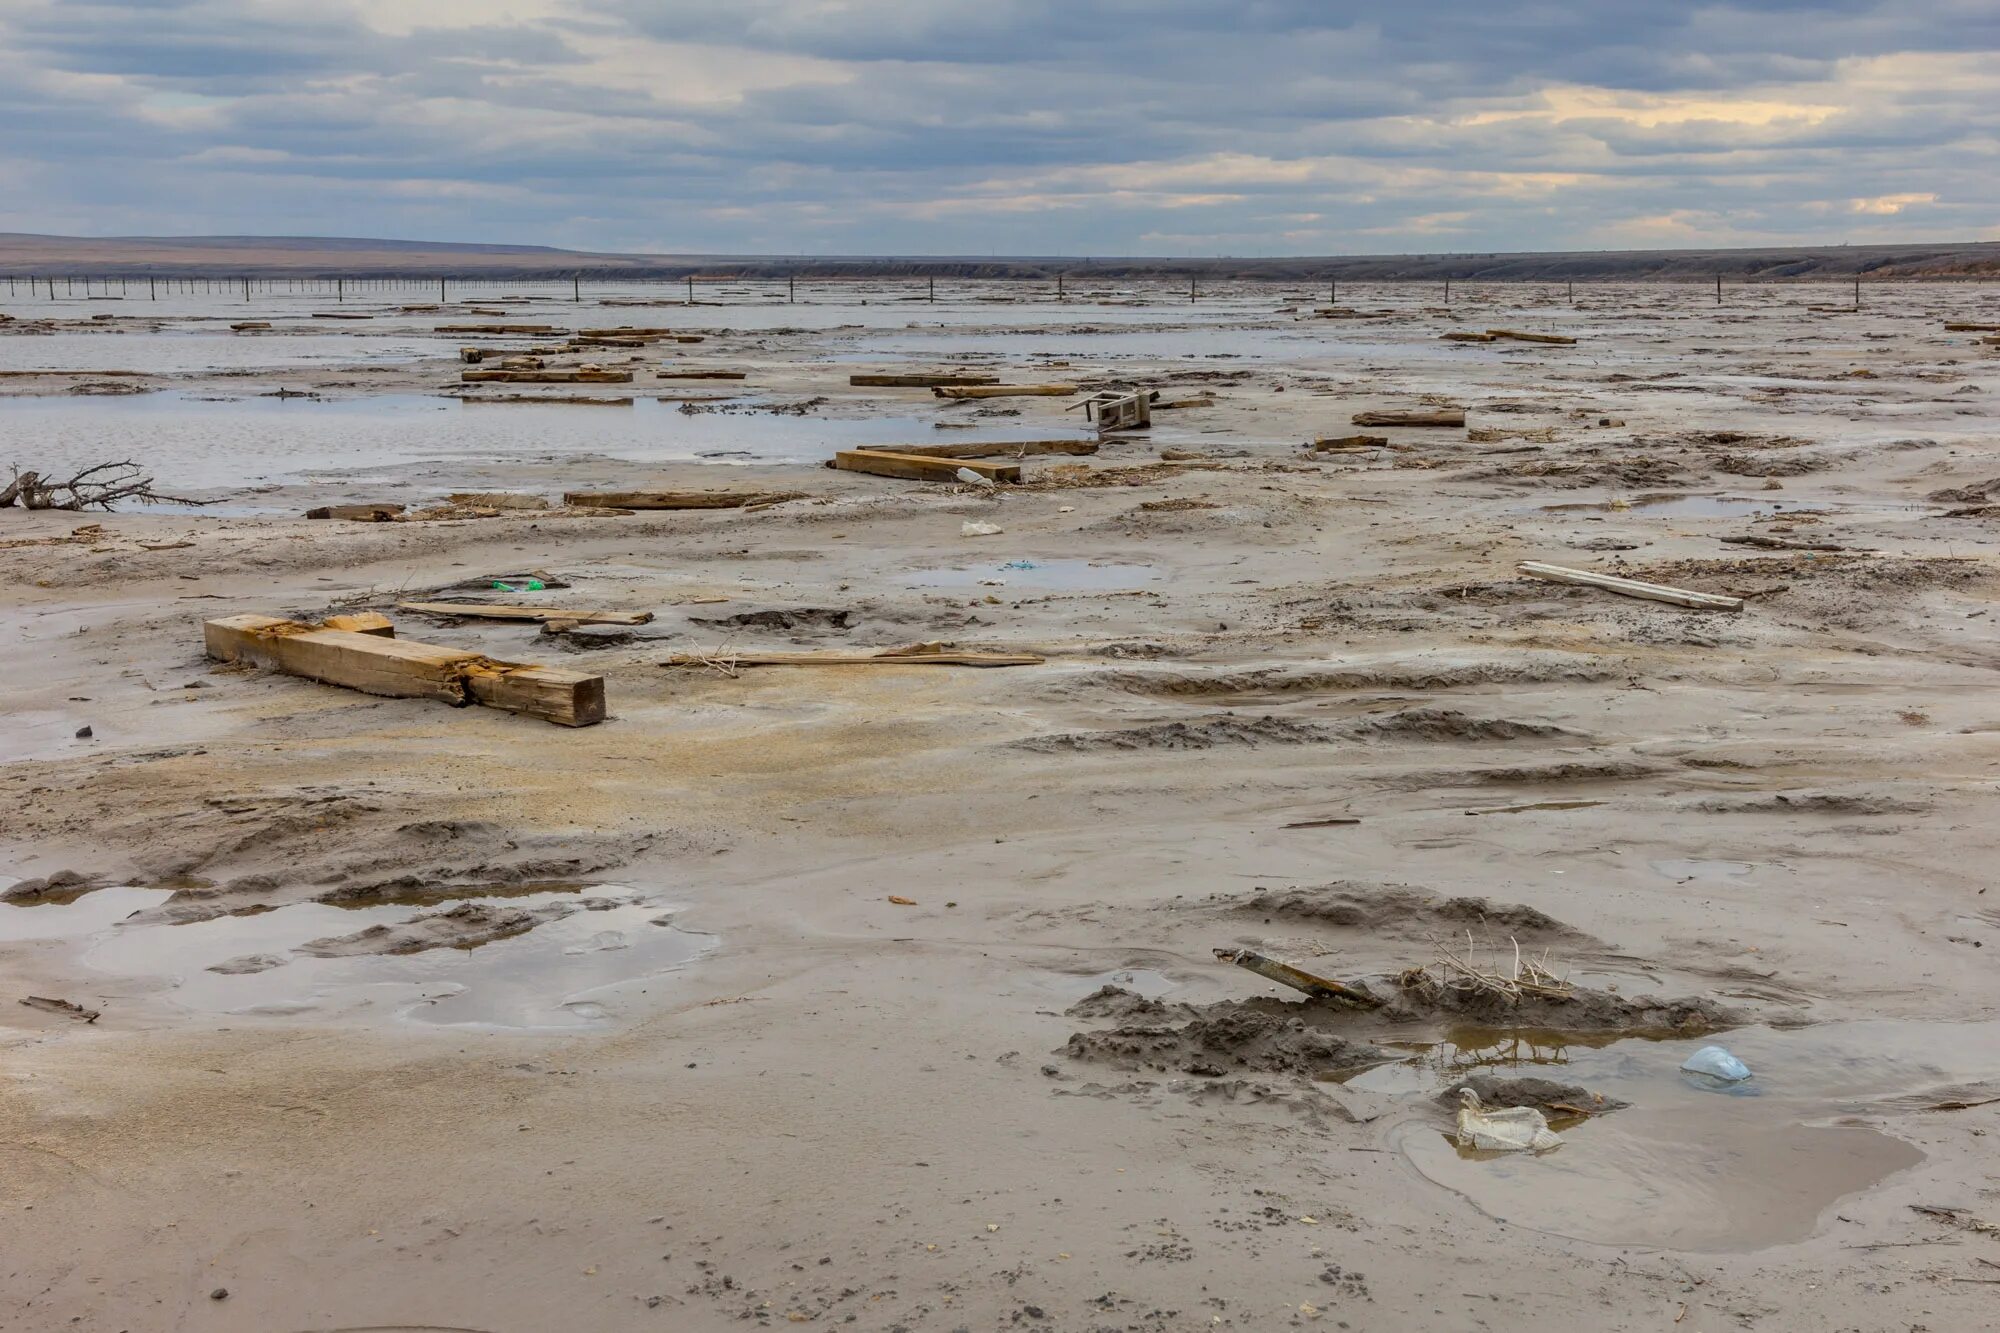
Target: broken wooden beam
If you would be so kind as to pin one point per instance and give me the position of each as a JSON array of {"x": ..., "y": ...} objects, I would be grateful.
[
  {"x": 700, "y": 374},
  {"x": 494, "y": 611},
  {"x": 1521, "y": 336},
  {"x": 1444, "y": 416},
  {"x": 399, "y": 669},
  {"x": 1330, "y": 444},
  {"x": 676, "y": 499},
  {"x": 250, "y": 326},
  {"x": 1652, "y": 592},
  {"x": 375, "y": 513},
  {"x": 580, "y": 376},
  {"x": 495, "y": 328},
  {"x": 1467, "y": 336},
  {"x": 361, "y": 622},
  {"x": 1320, "y": 988},
  {"x": 727, "y": 660},
  {"x": 921, "y": 381},
  {"x": 1962, "y": 327},
  {"x": 994, "y": 449},
  {"x": 918, "y": 467},
  {"x": 1004, "y": 390}
]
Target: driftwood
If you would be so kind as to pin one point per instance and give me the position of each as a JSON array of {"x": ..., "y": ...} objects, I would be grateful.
[
  {"x": 1652, "y": 592},
  {"x": 727, "y": 660},
  {"x": 97, "y": 487},
  {"x": 1454, "y": 416},
  {"x": 1320, "y": 988}
]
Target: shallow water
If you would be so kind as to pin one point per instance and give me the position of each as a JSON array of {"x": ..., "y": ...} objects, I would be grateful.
[
  {"x": 199, "y": 444},
  {"x": 580, "y": 970},
  {"x": 1688, "y": 1165}
]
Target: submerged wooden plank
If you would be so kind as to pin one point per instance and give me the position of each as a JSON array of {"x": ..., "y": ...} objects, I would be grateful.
[
  {"x": 677, "y": 499},
  {"x": 496, "y": 611},
  {"x": 400, "y": 669},
  {"x": 920, "y": 381},
  {"x": 546, "y": 376},
  {"x": 917, "y": 467},
  {"x": 1004, "y": 390},
  {"x": 1652, "y": 592}
]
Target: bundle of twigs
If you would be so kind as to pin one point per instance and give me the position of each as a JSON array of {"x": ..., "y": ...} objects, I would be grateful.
[
  {"x": 96, "y": 487},
  {"x": 1454, "y": 971}
]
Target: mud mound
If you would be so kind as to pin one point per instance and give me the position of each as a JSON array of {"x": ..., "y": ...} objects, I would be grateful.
[
  {"x": 1205, "y": 734},
  {"x": 1527, "y": 775},
  {"x": 1812, "y": 803},
  {"x": 1545, "y": 1095},
  {"x": 1225, "y": 1037},
  {"x": 798, "y": 617},
  {"x": 1525, "y": 669},
  {"x": 1395, "y": 909},
  {"x": 1584, "y": 1011},
  {"x": 1447, "y": 724},
  {"x": 466, "y": 926},
  {"x": 64, "y": 886},
  {"x": 1775, "y": 465},
  {"x": 1115, "y": 1002}
]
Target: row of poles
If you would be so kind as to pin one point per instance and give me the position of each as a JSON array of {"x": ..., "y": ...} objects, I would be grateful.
[{"x": 339, "y": 287}]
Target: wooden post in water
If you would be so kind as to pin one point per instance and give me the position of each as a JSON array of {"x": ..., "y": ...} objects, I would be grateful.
[
  {"x": 152, "y": 287},
  {"x": 690, "y": 289},
  {"x": 791, "y": 288},
  {"x": 440, "y": 290},
  {"x": 1857, "y": 291},
  {"x": 340, "y": 289},
  {"x": 1194, "y": 293},
  {"x": 933, "y": 295},
  {"x": 1718, "y": 289},
  {"x": 1447, "y": 291}
]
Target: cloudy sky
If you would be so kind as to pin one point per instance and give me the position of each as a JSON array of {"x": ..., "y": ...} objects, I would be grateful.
[{"x": 1077, "y": 127}]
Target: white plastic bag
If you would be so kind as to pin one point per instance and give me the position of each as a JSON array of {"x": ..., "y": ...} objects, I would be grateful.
[
  {"x": 1718, "y": 1064},
  {"x": 1503, "y": 1129},
  {"x": 973, "y": 528}
]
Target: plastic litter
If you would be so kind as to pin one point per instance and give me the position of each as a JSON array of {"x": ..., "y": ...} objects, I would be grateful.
[
  {"x": 966, "y": 474},
  {"x": 1020, "y": 564},
  {"x": 1718, "y": 1064},
  {"x": 972, "y": 528},
  {"x": 1503, "y": 1129},
  {"x": 523, "y": 585}
]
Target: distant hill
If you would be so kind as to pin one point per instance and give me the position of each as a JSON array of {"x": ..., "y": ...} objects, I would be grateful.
[{"x": 23, "y": 255}]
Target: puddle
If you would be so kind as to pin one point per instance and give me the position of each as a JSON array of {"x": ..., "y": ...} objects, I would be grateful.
[
  {"x": 577, "y": 970},
  {"x": 1043, "y": 575},
  {"x": 1687, "y": 1165}
]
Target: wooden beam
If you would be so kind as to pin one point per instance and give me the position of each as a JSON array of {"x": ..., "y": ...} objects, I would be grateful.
[
  {"x": 1467, "y": 336},
  {"x": 1450, "y": 416},
  {"x": 1960, "y": 327},
  {"x": 1004, "y": 390},
  {"x": 700, "y": 374},
  {"x": 546, "y": 376},
  {"x": 677, "y": 499},
  {"x": 399, "y": 669},
  {"x": 495, "y": 328},
  {"x": 916, "y": 467},
  {"x": 920, "y": 381},
  {"x": 1652, "y": 592},
  {"x": 362, "y": 622},
  {"x": 1517, "y": 335},
  {"x": 994, "y": 449},
  {"x": 573, "y": 399},
  {"x": 495, "y": 611},
  {"x": 1328, "y": 444},
  {"x": 378, "y": 513}
]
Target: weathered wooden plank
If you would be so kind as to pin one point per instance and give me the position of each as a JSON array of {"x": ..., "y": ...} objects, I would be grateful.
[
  {"x": 1652, "y": 592},
  {"x": 496, "y": 611},
  {"x": 1343, "y": 443},
  {"x": 546, "y": 376},
  {"x": 572, "y": 399},
  {"x": 495, "y": 328},
  {"x": 1004, "y": 390},
  {"x": 994, "y": 449},
  {"x": 1467, "y": 336},
  {"x": 1450, "y": 416},
  {"x": 374, "y": 513},
  {"x": 1521, "y": 336},
  {"x": 916, "y": 467},
  {"x": 400, "y": 669},
  {"x": 700, "y": 374},
  {"x": 677, "y": 499},
  {"x": 362, "y": 622},
  {"x": 920, "y": 381}
]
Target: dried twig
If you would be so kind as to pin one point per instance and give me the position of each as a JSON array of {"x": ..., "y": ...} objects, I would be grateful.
[
  {"x": 1527, "y": 977},
  {"x": 96, "y": 487}
]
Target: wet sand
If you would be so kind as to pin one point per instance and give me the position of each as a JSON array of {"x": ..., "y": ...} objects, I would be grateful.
[{"x": 519, "y": 1027}]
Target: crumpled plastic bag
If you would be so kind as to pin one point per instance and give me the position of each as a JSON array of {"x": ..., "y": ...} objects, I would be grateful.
[
  {"x": 974, "y": 528},
  {"x": 1502, "y": 1129}
]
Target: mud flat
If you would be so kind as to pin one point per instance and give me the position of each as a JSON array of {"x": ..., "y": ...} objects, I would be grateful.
[{"x": 886, "y": 994}]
